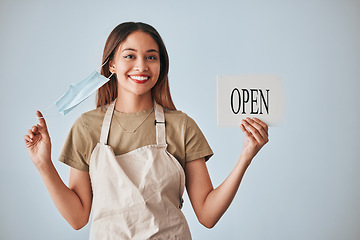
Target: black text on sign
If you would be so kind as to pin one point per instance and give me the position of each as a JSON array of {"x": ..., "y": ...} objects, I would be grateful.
[{"x": 253, "y": 101}]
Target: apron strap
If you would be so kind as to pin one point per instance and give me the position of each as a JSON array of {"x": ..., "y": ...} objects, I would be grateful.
[
  {"x": 160, "y": 124},
  {"x": 106, "y": 123}
]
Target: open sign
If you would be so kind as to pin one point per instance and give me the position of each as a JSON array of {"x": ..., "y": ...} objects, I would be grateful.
[{"x": 258, "y": 96}]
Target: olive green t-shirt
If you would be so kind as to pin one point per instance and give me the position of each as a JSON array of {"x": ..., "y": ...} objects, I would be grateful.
[{"x": 185, "y": 140}]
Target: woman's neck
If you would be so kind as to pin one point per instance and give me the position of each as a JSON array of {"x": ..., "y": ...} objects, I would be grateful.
[{"x": 133, "y": 103}]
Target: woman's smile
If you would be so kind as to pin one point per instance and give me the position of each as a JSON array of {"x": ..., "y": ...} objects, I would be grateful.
[{"x": 139, "y": 78}]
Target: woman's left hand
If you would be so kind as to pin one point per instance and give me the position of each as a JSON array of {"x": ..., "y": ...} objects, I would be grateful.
[{"x": 256, "y": 136}]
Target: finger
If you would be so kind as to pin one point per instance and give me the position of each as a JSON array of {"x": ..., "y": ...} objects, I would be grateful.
[
  {"x": 264, "y": 125},
  {"x": 42, "y": 121},
  {"x": 43, "y": 131},
  {"x": 35, "y": 129},
  {"x": 259, "y": 127},
  {"x": 29, "y": 144},
  {"x": 253, "y": 131},
  {"x": 27, "y": 139},
  {"x": 263, "y": 132},
  {"x": 247, "y": 133},
  {"x": 30, "y": 133},
  {"x": 243, "y": 129}
]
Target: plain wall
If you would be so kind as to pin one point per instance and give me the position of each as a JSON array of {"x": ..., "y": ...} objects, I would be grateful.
[{"x": 304, "y": 184}]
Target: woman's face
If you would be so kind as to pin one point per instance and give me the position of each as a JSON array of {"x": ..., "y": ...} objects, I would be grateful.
[{"x": 136, "y": 64}]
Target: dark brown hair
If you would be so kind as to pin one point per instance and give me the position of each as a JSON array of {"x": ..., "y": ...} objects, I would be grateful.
[{"x": 160, "y": 92}]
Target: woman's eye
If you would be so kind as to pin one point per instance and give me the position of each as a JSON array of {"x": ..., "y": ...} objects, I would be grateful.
[
  {"x": 129, "y": 56},
  {"x": 151, "y": 58}
]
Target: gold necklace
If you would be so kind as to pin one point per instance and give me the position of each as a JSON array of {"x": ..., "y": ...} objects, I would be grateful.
[{"x": 132, "y": 131}]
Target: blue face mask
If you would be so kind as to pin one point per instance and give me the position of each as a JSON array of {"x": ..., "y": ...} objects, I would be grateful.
[{"x": 80, "y": 91}]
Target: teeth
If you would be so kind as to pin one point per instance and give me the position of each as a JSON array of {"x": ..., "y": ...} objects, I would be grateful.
[{"x": 139, "y": 78}]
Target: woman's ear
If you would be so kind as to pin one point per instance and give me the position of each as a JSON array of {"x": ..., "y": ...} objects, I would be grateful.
[{"x": 112, "y": 66}]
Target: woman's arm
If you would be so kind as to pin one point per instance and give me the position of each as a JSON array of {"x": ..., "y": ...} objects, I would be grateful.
[
  {"x": 73, "y": 202},
  {"x": 210, "y": 204}
]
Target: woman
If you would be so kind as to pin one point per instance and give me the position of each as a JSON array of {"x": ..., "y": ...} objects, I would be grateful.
[{"x": 130, "y": 157}]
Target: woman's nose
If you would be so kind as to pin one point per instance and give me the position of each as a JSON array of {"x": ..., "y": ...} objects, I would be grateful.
[{"x": 141, "y": 65}]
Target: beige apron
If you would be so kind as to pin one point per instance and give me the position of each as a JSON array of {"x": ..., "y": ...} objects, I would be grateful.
[{"x": 137, "y": 195}]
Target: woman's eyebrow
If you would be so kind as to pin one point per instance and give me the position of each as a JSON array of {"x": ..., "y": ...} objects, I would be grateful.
[
  {"x": 134, "y": 50},
  {"x": 128, "y": 49},
  {"x": 152, "y": 50}
]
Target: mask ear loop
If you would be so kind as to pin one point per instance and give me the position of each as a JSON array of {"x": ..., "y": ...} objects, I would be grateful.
[
  {"x": 102, "y": 64},
  {"x": 52, "y": 105},
  {"x": 53, "y": 115}
]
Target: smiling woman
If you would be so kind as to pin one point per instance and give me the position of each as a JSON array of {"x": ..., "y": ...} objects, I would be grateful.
[
  {"x": 131, "y": 173},
  {"x": 137, "y": 67},
  {"x": 154, "y": 53}
]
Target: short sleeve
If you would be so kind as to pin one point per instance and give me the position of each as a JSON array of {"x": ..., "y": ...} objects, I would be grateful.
[
  {"x": 75, "y": 151},
  {"x": 196, "y": 145}
]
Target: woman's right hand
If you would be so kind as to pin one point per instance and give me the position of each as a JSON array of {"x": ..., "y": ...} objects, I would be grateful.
[{"x": 38, "y": 142}]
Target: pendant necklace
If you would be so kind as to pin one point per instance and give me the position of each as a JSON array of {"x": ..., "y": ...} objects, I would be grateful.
[{"x": 132, "y": 131}]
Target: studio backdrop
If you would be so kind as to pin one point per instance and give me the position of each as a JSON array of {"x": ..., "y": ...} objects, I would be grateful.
[{"x": 304, "y": 184}]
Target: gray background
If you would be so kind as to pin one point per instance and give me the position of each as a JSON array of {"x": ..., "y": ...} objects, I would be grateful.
[{"x": 303, "y": 185}]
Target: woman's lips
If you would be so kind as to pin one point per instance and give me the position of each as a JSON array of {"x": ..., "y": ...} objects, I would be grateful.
[{"x": 139, "y": 78}]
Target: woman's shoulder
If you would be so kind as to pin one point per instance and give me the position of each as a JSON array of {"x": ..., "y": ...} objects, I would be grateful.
[
  {"x": 91, "y": 119},
  {"x": 175, "y": 115},
  {"x": 178, "y": 117},
  {"x": 97, "y": 112}
]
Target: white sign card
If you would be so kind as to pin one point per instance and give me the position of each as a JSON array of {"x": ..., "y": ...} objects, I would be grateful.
[{"x": 259, "y": 96}]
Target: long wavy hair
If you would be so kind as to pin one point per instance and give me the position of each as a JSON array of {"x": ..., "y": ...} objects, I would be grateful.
[{"x": 160, "y": 92}]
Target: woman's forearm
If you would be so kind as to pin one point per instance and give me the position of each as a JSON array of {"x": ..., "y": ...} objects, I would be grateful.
[
  {"x": 220, "y": 198},
  {"x": 66, "y": 200}
]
